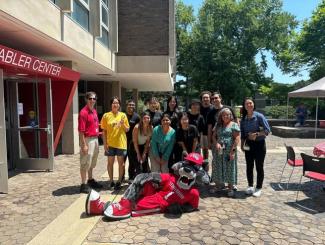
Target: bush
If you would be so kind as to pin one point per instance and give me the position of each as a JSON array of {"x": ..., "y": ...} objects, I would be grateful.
[{"x": 279, "y": 112}]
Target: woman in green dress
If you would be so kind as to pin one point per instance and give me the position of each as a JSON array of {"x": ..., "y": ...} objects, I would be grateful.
[{"x": 226, "y": 138}]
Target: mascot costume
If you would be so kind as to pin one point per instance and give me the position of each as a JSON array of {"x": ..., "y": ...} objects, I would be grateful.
[{"x": 152, "y": 193}]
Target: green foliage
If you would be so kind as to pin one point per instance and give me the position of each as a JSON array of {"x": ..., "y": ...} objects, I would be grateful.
[
  {"x": 308, "y": 47},
  {"x": 141, "y": 107},
  {"x": 277, "y": 91},
  {"x": 280, "y": 112},
  {"x": 217, "y": 50}
]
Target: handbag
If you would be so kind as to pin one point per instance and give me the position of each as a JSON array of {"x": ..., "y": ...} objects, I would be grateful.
[{"x": 246, "y": 147}]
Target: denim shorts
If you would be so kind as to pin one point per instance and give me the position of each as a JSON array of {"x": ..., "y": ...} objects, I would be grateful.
[{"x": 112, "y": 151}]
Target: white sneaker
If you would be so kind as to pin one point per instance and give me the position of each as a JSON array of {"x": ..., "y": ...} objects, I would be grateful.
[
  {"x": 249, "y": 190},
  {"x": 257, "y": 192}
]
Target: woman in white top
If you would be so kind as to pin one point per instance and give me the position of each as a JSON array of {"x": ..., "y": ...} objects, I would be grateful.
[{"x": 140, "y": 145}]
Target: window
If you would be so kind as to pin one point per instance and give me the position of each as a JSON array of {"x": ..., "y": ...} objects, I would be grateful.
[
  {"x": 104, "y": 22},
  {"x": 81, "y": 13}
]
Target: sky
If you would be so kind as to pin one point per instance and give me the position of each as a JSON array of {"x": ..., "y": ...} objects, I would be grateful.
[{"x": 302, "y": 9}]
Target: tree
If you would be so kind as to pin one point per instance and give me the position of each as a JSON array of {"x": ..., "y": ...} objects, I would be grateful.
[
  {"x": 184, "y": 22},
  {"x": 307, "y": 49},
  {"x": 225, "y": 39},
  {"x": 277, "y": 91}
]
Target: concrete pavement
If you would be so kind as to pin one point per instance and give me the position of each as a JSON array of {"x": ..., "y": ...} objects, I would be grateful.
[{"x": 46, "y": 208}]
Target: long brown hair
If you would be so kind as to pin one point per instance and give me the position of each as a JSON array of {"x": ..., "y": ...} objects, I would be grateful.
[{"x": 143, "y": 114}]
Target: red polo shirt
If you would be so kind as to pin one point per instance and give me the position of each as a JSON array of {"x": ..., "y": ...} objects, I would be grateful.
[{"x": 88, "y": 122}]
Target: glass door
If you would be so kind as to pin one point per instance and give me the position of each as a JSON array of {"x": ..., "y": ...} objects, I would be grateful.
[
  {"x": 31, "y": 117},
  {"x": 3, "y": 145}
]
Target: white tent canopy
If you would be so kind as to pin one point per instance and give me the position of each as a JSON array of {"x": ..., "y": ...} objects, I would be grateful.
[{"x": 314, "y": 90}]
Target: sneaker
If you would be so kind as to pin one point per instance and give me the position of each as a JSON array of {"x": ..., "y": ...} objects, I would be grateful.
[
  {"x": 111, "y": 185},
  {"x": 119, "y": 210},
  {"x": 231, "y": 193},
  {"x": 250, "y": 190},
  {"x": 257, "y": 192},
  {"x": 235, "y": 188},
  {"x": 94, "y": 184},
  {"x": 117, "y": 186},
  {"x": 93, "y": 204},
  {"x": 84, "y": 188}
]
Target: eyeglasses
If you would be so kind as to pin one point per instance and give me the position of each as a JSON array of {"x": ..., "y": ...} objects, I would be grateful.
[{"x": 91, "y": 98}]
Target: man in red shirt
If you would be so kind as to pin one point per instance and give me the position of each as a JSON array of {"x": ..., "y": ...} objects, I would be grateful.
[{"x": 88, "y": 139}]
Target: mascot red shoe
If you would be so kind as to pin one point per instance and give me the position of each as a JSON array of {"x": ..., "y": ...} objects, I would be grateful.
[{"x": 156, "y": 192}]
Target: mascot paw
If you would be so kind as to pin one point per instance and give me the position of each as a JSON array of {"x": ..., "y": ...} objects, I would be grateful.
[
  {"x": 94, "y": 205},
  {"x": 174, "y": 208},
  {"x": 119, "y": 210}
]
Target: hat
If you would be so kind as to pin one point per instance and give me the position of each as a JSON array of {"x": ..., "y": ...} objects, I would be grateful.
[
  {"x": 195, "y": 158},
  {"x": 195, "y": 101}
]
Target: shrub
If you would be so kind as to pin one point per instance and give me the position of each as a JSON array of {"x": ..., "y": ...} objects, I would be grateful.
[{"x": 279, "y": 112}]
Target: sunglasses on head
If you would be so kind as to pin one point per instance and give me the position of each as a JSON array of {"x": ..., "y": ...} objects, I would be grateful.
[{"x": 92, "y": 98}]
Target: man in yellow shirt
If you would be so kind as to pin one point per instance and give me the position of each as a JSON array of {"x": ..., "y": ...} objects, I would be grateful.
[{"x": 115, "y": 125}]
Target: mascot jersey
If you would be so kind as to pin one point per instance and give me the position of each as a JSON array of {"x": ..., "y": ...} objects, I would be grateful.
[{"x": 168, "y": 193}]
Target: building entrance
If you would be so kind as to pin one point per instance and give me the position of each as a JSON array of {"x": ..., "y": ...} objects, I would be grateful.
[{"x": 29, "y": 124}]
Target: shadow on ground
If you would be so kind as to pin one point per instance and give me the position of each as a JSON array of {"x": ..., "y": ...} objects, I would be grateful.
[
  {"x": 13, "y": 173},
  {"x": 313, "y": 190},
  {"x": 205, "y": 193}
]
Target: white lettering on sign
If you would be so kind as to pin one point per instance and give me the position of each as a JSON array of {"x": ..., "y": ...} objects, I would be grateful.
[{"x": 17, "y": 59}]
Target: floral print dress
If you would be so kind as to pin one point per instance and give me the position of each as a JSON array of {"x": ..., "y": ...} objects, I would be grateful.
[{"x": 224, "y": 170}]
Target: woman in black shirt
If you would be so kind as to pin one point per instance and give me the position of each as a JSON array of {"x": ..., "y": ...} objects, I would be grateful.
[
  {"x": 172, "y": 111},
  {"x": 186, "y": 137}
]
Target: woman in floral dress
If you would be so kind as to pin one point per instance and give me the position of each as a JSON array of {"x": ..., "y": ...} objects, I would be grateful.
[{"x": 226, "y": 138}]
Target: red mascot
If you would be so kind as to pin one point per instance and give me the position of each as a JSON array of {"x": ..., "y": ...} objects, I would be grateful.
[{"x": 156, "y": 192}]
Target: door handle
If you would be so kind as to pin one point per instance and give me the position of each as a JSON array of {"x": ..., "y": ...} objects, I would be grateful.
[{"x": 48, "y": 129}]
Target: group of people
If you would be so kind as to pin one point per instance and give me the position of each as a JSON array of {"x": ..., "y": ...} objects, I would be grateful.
[{"x": 163, "y": 138}]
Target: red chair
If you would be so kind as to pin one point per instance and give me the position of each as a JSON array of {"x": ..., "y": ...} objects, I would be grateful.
[
  {"x": 313, "y": 168},
  {"x": 291, "y": 161}
]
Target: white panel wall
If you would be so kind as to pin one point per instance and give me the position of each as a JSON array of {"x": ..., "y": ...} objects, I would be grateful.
[{"x": 3, "y": 147}]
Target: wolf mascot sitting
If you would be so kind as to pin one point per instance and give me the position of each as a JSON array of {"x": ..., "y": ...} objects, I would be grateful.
[{"x": 156, "y": 192}]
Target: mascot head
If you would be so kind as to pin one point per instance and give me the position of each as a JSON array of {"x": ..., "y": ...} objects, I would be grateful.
[{"x": 191, "y": 171}]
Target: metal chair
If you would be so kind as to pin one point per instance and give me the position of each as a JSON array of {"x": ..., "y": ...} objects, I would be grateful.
[
  {"x": 292, "y": 161},
  {"x": 313, "y": 168}
]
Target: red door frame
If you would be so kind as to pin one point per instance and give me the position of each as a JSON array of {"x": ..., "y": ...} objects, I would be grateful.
[{"x": 15, "y": 62}]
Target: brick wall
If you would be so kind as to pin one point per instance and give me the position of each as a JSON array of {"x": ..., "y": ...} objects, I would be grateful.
[{"x": 143, "y": 27}]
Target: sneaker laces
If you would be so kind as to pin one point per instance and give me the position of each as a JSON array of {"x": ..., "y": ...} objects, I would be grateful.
[{"x": 117, "y": 205}]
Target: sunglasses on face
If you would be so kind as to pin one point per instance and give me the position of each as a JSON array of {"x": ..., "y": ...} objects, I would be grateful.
[{"x": 91, "y": 98}]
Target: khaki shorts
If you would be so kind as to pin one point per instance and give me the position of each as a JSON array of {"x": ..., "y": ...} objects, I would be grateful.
[
  {"x": 204, "y": 141},
  {"x": 89, "y": 160}
]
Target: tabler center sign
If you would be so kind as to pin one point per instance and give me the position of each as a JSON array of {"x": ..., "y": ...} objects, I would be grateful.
[{"x": 26, "y": 62}]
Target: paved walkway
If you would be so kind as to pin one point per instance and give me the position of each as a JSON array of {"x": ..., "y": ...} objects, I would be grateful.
[{"x": 46, "y": 208}]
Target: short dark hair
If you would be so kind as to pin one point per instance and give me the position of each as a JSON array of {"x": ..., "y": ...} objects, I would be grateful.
[
  {"x": 195, "y": 101},
  {"x": 203, "y": 93},
  {"x": 115, "y": 98},
  {"x": 130, "y": 101},
  {"x": 216, "y": 93},
  {"x": 165, "y": 115}
]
